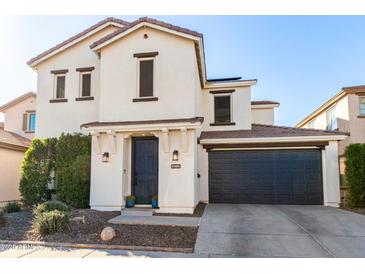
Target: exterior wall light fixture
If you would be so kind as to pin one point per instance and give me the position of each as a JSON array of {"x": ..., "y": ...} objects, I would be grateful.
[
  {"x": 175, "y": 155},
  {"x": 105, "y": 158}
]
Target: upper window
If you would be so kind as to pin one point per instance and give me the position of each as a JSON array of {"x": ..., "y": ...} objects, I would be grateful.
[
  {"x": 60, "y": 86},
  {"x": 146, "y": 77},
  {"x": 331, "y": 120},
  {"x": 222, "y": 109},
  {"x": 362, "y": 105},
  {"x": 86, "y": 84},
  {"x": 312, "y": 124},
  {"x": 29, "y": 121}
]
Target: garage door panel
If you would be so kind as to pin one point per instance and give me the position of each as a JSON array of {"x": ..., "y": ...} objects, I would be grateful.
[{"x": 267, "y": 177}]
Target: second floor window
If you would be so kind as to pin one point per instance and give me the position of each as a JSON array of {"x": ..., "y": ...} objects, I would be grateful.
[
  {"x": 85, "y": 84},
  {"x": 312, "y": 124},
  {"x": 222, "y": 109},
  {"x": 60, "y": 86},
  {"x": 362, "y": 105},
  {"x": 146, "y": 77},
  {"x": 331, "y": 120},
  {"x": 29, "y": 121}
]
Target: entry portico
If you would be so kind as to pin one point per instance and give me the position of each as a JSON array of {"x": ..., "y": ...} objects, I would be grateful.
[{"x": 124, "y": 160}]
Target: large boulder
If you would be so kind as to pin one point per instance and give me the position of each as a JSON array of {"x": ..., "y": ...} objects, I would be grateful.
[{"x": 107, "y": 234}]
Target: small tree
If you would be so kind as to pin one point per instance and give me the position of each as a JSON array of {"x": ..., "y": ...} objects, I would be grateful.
[
  {"x": 73, "y": 161},
  {"x": 35, "y": 170},
  {"x": 355, "y": 173}
]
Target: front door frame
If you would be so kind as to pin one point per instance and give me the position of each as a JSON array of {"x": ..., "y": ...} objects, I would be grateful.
[{"x": 133, "y": 158}]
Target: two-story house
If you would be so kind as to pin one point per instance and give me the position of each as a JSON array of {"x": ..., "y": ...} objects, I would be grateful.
[
  {"x": 15, "y": 137},
  {"x": 343, "y": 112},
  {"x": 160, "y": 127}
]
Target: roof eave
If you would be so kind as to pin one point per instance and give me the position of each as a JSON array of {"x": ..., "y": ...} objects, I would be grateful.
[
  {"x": 228, "y": 84},
  {"x": 289, "y": 139},
  {"x": 39, "y": 59}
]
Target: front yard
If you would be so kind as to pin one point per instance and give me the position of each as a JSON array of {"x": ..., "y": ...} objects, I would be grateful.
[{"x": 87, "y": 229}]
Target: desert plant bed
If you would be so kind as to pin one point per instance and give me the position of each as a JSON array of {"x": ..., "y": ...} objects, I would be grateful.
[{"x": 87, "y": 229}]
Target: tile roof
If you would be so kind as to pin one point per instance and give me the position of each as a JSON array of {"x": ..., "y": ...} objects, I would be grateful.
[
  {"x": 17, "y": 100},
  {"x": 267, "y": 131},
  {"x": 86, "y": 31},
  {"x": 144, "y": 122},
  {"x": 13, "y": 140},
  {"x": 265, "y": 102},
  {"x": 145, "y": 20}
]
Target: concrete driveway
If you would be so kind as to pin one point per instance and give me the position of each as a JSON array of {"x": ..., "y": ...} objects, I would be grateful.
[{"x": 280, "y": 231}]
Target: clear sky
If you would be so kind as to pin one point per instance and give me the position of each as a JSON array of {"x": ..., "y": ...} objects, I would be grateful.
[{"x": 300, "y": 61}]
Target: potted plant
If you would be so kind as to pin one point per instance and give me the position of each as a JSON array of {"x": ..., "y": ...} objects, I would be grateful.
[
  {"x": 154, "y": 201},
  {"x": 130, "y": 201}
]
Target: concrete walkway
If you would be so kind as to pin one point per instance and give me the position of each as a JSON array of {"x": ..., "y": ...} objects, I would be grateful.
[
  {"x": 280, "y": 231},
  {"x": 18, "y": 251},
  {"x": 155, "y": 220}
]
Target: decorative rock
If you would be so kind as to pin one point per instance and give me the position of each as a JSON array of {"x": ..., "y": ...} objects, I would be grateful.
[
  {"x": 79, "y": 220},
  {"x": 107, "y": 234}
]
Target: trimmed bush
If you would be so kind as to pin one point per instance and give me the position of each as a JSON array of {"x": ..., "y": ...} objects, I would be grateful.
[
  {"x": 50, "y": 222},
  {"x": 355, "y": 173},
  {"x": 73, "y": 162},
  {"x": 12, "y": 207},
  {"x": 2, "y": 217},
  {"x": 35, "y": 171},
  {"x": 50, "y": 206}
]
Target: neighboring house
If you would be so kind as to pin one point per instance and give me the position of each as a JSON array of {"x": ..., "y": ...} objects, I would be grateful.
[
  {"x": 343, "y": 112},
  {"x": 15, "y": 134},
  {"x": 159, "y": 126}
]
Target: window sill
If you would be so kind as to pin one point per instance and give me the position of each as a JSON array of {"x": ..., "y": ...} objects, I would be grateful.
[
  {"x": 361, "y": 116},
  {"x": 222, "y": 124},
  {"x": 146, "y": 99},
  {"x": 85, "y": 98},
  {"x": 63, "y": 100}
]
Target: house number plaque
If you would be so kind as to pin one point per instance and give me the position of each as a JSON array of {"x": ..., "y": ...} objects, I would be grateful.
[{"x": 175, "y": 165}]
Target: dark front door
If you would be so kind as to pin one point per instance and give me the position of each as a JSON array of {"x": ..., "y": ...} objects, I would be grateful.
[
  {"x": 144, "y": 169},
  {"x": 266, "y": 177}
]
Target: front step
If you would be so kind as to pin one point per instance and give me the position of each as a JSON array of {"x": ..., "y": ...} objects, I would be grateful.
[{"x": 138, "y": 212}]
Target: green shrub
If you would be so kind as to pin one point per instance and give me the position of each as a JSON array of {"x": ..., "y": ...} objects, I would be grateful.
[
  {"x": 2, "y": 217},
  {"x": 50, "y": 206},
  {"x": 12, "y": 207},
  {"x": 73, "y": 162},
  {"x": 355, "y": 173},
  {"x": 35, "y": 171},
  {"x": 50, "y": 222}
]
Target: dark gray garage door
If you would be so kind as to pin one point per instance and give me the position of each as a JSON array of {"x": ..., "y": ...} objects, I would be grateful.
[{"x": 266, "y": 177}]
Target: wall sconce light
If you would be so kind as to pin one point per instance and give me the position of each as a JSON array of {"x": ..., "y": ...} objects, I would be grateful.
[
  {"x": 105, "y": 158},
  {"x": 175, "y": 155}
]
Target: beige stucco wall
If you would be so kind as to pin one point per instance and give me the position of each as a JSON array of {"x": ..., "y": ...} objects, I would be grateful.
[
  {"x": 13, "y": 120},
  {"x": 55, "y": 118},
  {"x": 262, "y": 116},
  {"x": 177, "y": 188},
  {"x": 175, "y": 83},
  {"x": 10, "y": 162}
]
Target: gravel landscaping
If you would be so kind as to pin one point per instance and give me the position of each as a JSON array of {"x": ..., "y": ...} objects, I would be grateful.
[
  {"x": 19, "y": 227},
  {"x": 198, "y": 212}
]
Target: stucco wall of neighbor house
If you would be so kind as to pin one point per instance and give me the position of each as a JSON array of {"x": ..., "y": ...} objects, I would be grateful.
[
  {"x": 13, "y": 120},
  {"x": 174, "y": 86},
  {"x": 55, "y": 118},
  {"x": 111, "y": 181},
  {"x": 10, "y": 162},
  {"x": 240, "y": 107},
  {"x": 264, "y": 116},
  {"x": 357, "y": 125},
  {"x": 341, "y": 112}
]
